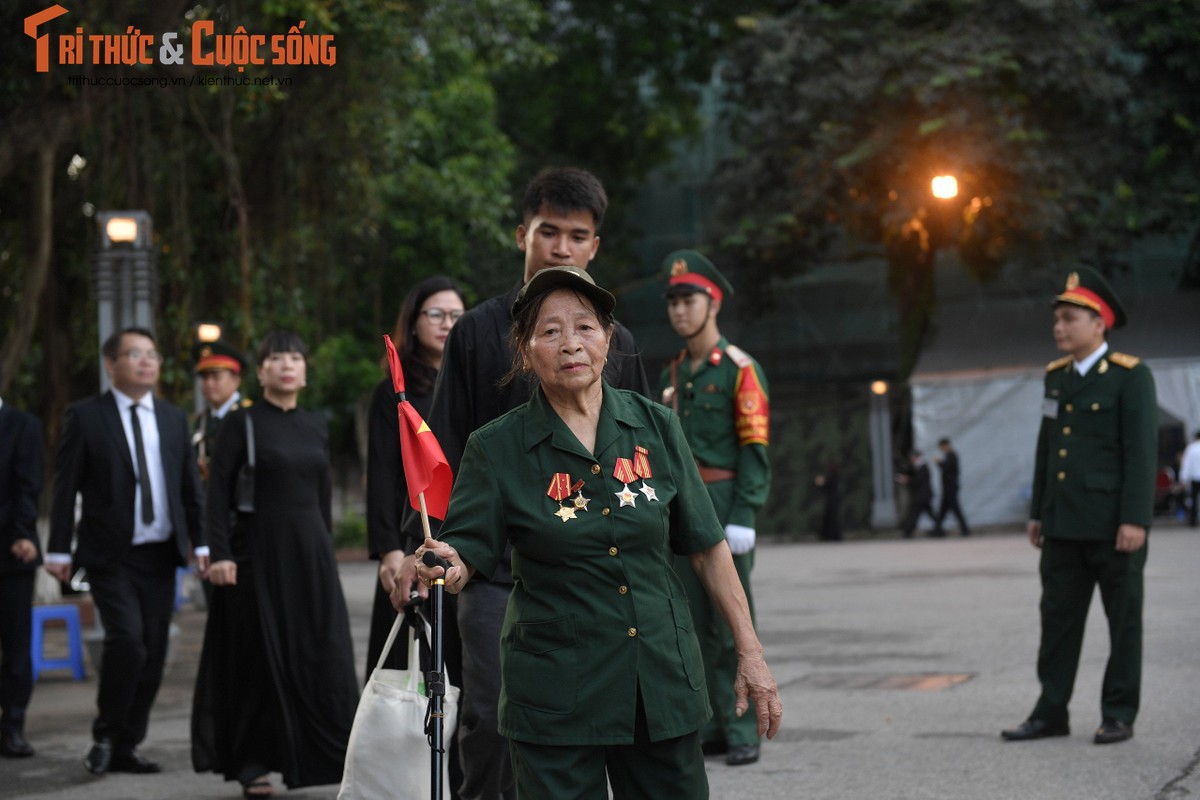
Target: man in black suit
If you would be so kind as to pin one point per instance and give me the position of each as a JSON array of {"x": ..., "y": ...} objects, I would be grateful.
[
  {"x": 22, "y": 465},
  {"x": 949, "y": 467},
  {"x": 129, "y": 454},
  {"x": 920, "y": 493}
]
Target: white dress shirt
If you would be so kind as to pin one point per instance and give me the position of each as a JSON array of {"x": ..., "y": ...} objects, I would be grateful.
[
  {"x": 1082, "y": 367},
  {"x": 160, "y": 529}
]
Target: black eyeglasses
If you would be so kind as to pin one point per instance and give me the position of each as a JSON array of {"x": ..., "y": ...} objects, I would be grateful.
[
  {"x": 436, "y": 315},
  {"x": 134, "y": 354}
]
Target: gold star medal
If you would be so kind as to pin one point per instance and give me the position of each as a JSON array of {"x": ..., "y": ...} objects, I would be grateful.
[
  {"x": 560, "y": 489},
  {"x": 641, "y": 468},
  {"x": 580, "y": 502},
  {"x": 623, "y": 471}
]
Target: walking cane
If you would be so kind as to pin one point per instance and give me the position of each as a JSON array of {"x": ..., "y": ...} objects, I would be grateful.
[{"x": 435, "y": 679}]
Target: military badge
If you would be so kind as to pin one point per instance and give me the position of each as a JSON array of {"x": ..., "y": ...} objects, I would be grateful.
[
  {"x": 679, "y": 267},
  {"x": 560, "y": 489},
  {"x": 1072, "y": 281},
  {"x": 623, "y": 471},
  {"x": 641, "y": 468}
]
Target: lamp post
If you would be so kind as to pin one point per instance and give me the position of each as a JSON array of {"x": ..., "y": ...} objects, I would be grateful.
[
  {"x": 883, "y": 503},
  {"x": 125, "y": 275},
  {"x": 204, "y": 333}
]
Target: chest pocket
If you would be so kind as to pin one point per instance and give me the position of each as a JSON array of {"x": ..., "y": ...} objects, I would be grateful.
[
  {"x": 1099, "y": 417},
  {"x": 712, "y": 397}
]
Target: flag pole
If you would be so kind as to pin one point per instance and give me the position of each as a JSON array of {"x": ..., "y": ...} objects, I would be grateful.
[{"x": 435, "y": 681}]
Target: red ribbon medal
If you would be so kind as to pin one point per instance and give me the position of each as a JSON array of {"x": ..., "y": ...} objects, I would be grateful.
[
  {"x": 560, "y": 489},
  {"x": 623, "y": 471},
  {"x": 641, "y": 467}
]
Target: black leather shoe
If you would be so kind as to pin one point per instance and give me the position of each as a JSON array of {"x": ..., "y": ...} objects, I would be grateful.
[
  {"x": 99, "y": 758},
  {"x": 14, "y": 745},
  {"x": 133, "y": 762},
  {"x": 741, "y": 754},
  {"x": 1036, "y": 729},
  {"x": 714, "y": 747},
  {"x": 1112, "y": 731}
]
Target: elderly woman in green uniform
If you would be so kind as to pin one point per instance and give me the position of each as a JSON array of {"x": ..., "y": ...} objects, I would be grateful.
[{"x": 602, "y": 682}]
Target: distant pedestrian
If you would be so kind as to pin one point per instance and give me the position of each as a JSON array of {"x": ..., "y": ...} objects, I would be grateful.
[
  {"x": 22, "y": 466},
  {"x": 948, "y": 464},
  {"x": 1093, "y": 499},
  {"x": 831, "y": 516},
  {"x": 1189, "y": 476},
  {"x": 219, "y": 367},
  {"x": 920, "y": 493}
]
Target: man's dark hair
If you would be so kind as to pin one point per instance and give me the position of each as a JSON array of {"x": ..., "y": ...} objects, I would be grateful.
[
  {"x": 943, "y": 440},
  {"x": 565, "y": 189},
  {"x": 112, "y": 345}
]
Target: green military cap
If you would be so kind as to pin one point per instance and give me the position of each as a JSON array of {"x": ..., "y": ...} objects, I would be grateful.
[
  {"x": 689, "y": 272},
  {"x": 211, "y": 356},
  {"x": 563, "y": 278},
  {"x": 1087, "y": 288}
]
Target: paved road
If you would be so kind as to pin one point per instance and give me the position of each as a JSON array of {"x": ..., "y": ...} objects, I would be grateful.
[{"x": 900, "y": 661}]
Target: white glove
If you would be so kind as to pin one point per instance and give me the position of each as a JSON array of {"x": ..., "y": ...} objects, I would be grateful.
[{"x": 741, "y": 539}]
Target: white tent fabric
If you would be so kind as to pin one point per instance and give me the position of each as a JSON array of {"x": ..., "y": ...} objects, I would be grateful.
[{"x": 992, "y": 418}]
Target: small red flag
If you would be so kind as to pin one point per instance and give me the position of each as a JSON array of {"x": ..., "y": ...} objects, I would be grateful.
[{"x": 425, "y": 466}]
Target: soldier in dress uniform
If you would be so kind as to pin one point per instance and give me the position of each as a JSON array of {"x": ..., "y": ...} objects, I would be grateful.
[
  {"x": 219, "y": 367},
  {"x": 1093, "y": 497},
  {"x": 720, "y": 395}
]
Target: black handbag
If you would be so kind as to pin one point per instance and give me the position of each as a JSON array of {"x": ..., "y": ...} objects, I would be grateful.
[{"x": 244, "y": 496}]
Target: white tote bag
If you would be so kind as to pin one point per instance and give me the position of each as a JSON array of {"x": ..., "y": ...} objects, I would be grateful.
[{"x": 388, "y": 757}]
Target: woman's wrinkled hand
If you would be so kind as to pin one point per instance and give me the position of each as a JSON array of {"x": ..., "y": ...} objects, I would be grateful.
[
  {"x": 223, "y": 573},
  {"x": 754, "y": 680}
]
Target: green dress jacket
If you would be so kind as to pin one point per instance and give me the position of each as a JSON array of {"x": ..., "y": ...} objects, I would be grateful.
[
  {"x": 1096, "y": 451},
  {"x": 596, "y": 610},
  {"x": 711, "y": 409}
]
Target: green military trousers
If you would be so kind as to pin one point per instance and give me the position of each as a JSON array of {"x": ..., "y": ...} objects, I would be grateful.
[{"x": 1070, "y": 571}]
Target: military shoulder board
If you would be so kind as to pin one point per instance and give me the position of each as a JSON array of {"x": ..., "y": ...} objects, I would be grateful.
[
  {"x": 739, "y": 356},
  {"x": 1123, "y": 360},
  {"x": 1057, "y": 363}
]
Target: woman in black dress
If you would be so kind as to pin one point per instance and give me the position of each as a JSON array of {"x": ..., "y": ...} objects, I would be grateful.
[
  {"x": 276, "y": 690},
  {"x": 426, "y": 317}
]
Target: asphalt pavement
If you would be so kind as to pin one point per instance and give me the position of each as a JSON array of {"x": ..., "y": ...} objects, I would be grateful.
[{"x": 899, "y": 663}]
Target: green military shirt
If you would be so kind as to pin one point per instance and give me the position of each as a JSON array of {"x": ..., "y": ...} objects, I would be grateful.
[
  {"x": 1096, "y": 451},
  {"x": 707, "y": 403},
  {"x": 596, "y": 610}
]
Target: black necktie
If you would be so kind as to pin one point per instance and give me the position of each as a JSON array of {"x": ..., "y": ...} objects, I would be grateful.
[{"x": 143, "y": 472}]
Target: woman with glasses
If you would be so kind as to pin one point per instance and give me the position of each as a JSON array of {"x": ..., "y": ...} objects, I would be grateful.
[
  {"x": 428, "y": 313},
  {"x": 276, "y": 690}
]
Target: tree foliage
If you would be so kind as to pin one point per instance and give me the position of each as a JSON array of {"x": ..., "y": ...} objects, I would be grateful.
[{"x": 1070, "y": 126}]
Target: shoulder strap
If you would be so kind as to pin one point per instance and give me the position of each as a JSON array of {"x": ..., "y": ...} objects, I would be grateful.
[{"x": 249, "y": 440}]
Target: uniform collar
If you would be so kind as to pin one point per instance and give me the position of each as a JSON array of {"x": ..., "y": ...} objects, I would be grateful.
[
  {"x": 1083, "y": 367},
  {"x": 219, "y": 413},
  {"x": 541, "y": 422},
  {"x": 714, "y": 356}
]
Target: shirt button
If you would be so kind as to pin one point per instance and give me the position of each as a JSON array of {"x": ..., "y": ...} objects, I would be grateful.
[
  {"x": 685, "y": 413},
  {"x": 1067, "y": 431},
  {"x": 1070, "y": 407},
  {"x": 633, "y": 631},
  {"x": 595, "y": 469},
  {"x": 605, "y": 512},
  {"x": 622, "y": 589},
  {"x": 612, "y": 551},
  {"x": 1062, "y": 476},
  {"x": 1062, "y": 453},
  {"x": 1095, "y": 406},
  {"x": 689, "y": 384}
]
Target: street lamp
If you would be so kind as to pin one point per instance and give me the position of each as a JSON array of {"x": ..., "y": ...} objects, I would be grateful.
[
  {"x": 125, "y": 275},
  {"x": 945, "y": 187},
  {"x": 883, "y": 502}
]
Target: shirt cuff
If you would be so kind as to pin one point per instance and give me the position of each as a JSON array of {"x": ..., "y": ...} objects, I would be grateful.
[
  {"x": 57, "y": 558},
  {"x": 201, "y": 552}
]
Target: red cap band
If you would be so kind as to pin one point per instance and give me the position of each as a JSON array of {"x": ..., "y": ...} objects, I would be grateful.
[
  {"x": 215, "y": 361},
  {"x": 696, "y": 279},
  {"x": 1089, "y": 299}
]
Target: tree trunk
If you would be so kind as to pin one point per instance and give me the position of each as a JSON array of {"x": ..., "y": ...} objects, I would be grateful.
[{"x": 19, "y": 337}]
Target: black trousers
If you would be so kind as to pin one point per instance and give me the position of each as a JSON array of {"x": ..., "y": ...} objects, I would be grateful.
[
  {"x": 950, "y": 503},
  {"x": 16, "y": 667},
  {"x": 135, "y": 597}
]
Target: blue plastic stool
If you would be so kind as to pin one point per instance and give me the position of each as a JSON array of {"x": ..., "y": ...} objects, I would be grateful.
[
  {"x": 181, "y": 596},
  {"x": 74, "y": 660}
]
